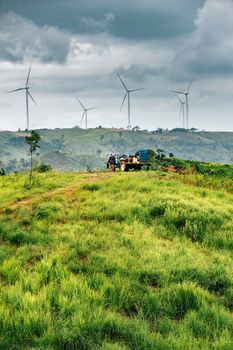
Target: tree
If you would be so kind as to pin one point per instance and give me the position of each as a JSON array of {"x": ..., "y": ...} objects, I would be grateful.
[
  {"x": 136, "y": 128},
  {"x": 33, "y": 142},
  {"x": 157, "y": 131},
  {"x": 152, "y": 155},
  {"x": 160, "y": 155}
]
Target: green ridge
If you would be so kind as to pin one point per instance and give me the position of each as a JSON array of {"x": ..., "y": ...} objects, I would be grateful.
[{"x": 77, "y": 149}]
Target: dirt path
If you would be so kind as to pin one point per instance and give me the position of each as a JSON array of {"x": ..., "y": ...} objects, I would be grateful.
[{"x": 90, "y": 178}]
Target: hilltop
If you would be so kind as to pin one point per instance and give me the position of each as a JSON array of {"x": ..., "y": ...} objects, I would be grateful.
[
  {"x": 115, "y": 261},
  {"x": 77, "y": 149}
]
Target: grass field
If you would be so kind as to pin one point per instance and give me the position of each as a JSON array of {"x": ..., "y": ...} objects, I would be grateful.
[{"x": 115, "y": 262}]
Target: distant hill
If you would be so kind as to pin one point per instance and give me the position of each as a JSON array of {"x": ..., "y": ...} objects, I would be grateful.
[{"x": 77, "y": 149}]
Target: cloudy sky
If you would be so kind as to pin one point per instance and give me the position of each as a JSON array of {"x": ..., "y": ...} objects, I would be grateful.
[{"x": 76, "y": 48}]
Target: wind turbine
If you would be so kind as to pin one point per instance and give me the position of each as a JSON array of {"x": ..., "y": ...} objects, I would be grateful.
[
  {"x": 186, "y": 93},
  {"x": 182, "y": 110},
  {"x": 26, "y": 88},
  {"x": 128, "y": 92},
  {"x": 85, "y": 110}
]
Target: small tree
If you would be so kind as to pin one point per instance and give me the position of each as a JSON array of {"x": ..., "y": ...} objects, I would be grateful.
[
  {"x": 160, "y": 155},
  {"x": 136, "y": 128},
  {"x": 33, "y": 142},
  {"x": 152, "y": 155}
]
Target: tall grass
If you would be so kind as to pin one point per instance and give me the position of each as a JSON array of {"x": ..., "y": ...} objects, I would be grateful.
[{"x": 120, "y": 261}]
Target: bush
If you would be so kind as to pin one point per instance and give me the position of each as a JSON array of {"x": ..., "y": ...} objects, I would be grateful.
[{"x": 43, "y": 168}]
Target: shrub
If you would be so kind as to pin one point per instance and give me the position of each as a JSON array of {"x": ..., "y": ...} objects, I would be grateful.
[{"x": 43, "y": 168}]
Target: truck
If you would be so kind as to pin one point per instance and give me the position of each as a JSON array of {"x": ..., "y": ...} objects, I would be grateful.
[{"x": 125, "y": 163}]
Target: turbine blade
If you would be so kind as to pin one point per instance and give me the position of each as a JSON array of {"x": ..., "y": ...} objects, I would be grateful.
[
  {"x": 179, "y": 92},
  {"x": 89, "y": 109},
  {"x": 136, "y": 89},
  {"x": 124, "y": 100},
  {"x": 82, "y": 118},
  {"x": 80, "y": 103},
  {"x": 179, "y": 99},
  {"x": 122, "y": 82},
  {"x": 31, "y": 97},
  {"x": 8, "y": 92},
  {"x": 190, "y": 84},
  {"x": 27, "y": 81}
]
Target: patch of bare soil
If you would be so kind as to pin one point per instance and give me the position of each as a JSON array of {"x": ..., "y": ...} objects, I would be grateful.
[{"x": 28, "y": 201}]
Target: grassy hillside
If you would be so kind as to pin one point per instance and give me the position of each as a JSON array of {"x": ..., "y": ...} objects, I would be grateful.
[
  {"x": 115, "y": 261},
  {"x": 75, "y": 149}
]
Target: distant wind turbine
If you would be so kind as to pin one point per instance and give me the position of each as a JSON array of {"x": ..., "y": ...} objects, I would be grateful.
[
  {"x": 182, "y": 110},
  {"x": 85, "y": 110},
  {"x": 186, "y": 93},
  {"x": 26, "y": 88},
  {"x": 128, "y": 92}
]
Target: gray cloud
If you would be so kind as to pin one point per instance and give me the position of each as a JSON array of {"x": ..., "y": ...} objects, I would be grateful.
[
  {"x": 155, "y": 44},
  {"x": 139, "y": 73},
  {"x": 209, "y": 49},
  {"x": 21, "y": 40},
  {"x": 135, "y": 19},
  {"x": 102, "y": 24}
]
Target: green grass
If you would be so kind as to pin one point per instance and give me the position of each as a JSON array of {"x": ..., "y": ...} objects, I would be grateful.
[{"x": 115, "y": 262}]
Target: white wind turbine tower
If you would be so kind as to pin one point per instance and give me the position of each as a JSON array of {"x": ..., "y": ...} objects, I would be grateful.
[
  {"x": 186, "y": 93},
  {"x": 26, "y": 88},
  {"x": 182, "y": 110},
  {"x": 85, "y": 110},
  {"x": 128, "y": 92}
]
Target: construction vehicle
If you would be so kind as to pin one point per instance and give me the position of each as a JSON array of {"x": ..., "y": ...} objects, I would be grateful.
[{"x": 125, "y": 163}]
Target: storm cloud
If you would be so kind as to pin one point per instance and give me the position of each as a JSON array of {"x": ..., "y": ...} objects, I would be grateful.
[
  {"x": 76, "y": 48},
  {"x": 134, "y": 19},
  {"x": 21, "y": 40},
  {"x": 209, "y": 49}
]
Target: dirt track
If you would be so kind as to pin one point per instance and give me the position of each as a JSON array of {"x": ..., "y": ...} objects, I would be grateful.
[{"x": 27, "y": 201}]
